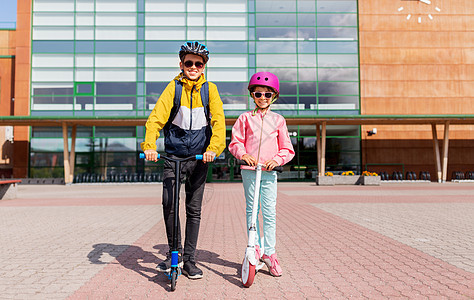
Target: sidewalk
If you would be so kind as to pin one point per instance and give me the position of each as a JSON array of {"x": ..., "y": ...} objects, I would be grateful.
[{"x": 408, "y": 241}]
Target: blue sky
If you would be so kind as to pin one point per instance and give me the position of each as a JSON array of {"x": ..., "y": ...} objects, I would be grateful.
[{"x": 7, "y": 11}]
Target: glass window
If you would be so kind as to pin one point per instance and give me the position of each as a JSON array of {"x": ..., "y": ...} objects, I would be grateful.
[
  {"x": 288, "y": 88},
  {"x": 156, "y": 19},
  {"x": 53, "y": 5},
  {"x": 164, "y": 74},
  {"x": 48, "y": 89},
  {"x": 276, "y": 33},
  {"x": 306, "y": 20},
  {"x": 84, "y": 47},
  {"x": 52, "y": 60},
  {"x": 230, "y": 60},
  {"x": 84, "y": 5},
  {"x": 84, "y": 33},
  {"x": 337, "y": 6},
  {"x": 116, "y": 33},
  {"x": 84, "y": 60},
  {"x": 306, "y": 6},
  {"x": 53, "y": 47},
  {"x": 338, "y": 60},
  {"x": 337, "y": 33},
  {"x": 53, "y": 19},
  {"x": 115, "y": 103},
  {"x": 116, "y": 5},
  {"x": 116, "y": 74},
  {"x": 115, "y": 60},
  {"x": 161, "y": 61},
  {"x": 307, "y": 33},
  {"x": 59, "y": 75},
  {"x": 165, "y": 33},
  {"x": 116, "y": 88},
  {"x": 270, "y": 60},
  {"x": 307, "y": 88},
  {"x": 115, "y": 19},
  {"x": 84, "y": 19},
  {"x": 195, "y": 6},
  {"x": 337, "y": 20},
  {"x": 227, "y": 19},
  {"x": 230, "y": 33},
  {"x": 307, "y": 74},
  {"x": 53, "y": 33},
  {"x": 227, "y": 74},
  {"x": 226, "y": 6},
  {"x": 275, "y": 19},
  {"x": 338, "y": 74},
  {"x": 306, "y": 60},
  {"x": 165, "y": 5},
  {"x": 196, "y": 33},
  {"x": 196, "y": 19},
  {"x": 84, "y": 88},
  {"x": 232, "y": 88},
  {"x": 115, "y": 47},
  {"x": 276, "y": 47},
  {"x": 334, "y": 102},
  {"x": 337, "y": 47},
  {"x": 275, "y": 6},
  {"x": 338, "y": 88},
  {"x": 306, "y": 47},
  {"x": 163, "y": 47},
  {"x": 284, "y": 74}
]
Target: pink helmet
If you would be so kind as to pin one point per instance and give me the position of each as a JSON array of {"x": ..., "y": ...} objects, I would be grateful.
[{"x": 265, "y": 79}]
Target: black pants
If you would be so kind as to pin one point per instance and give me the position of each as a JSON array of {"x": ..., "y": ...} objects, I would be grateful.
[{"x": 196, "y": 173}]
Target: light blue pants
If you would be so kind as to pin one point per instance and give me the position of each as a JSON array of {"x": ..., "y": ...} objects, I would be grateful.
[{"x": 268, "y": 197}]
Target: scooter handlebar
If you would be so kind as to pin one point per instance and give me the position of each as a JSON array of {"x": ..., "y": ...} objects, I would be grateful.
[
  {"x": 196, "y": 157},
  {"x": 279, "y": 169}
]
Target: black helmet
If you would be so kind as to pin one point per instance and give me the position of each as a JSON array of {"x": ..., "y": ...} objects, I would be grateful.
[{"x": 194, "y": 48}]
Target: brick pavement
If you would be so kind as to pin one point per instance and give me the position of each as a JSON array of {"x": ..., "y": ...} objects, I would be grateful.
[{"x": 408, "y": 241}]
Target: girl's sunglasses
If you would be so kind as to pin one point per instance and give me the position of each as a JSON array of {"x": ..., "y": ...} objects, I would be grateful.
[
  {"x": 267, "y": 95},
  {"x": 190, "y": 63}
]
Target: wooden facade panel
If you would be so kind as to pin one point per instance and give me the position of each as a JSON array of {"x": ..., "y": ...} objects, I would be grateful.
[
  {"x": 468, "y": 56},
  {"x": 420, "y": 106},
  {"x": 416, "y": 56},
  {"x": 414, "y": 89},
  {"x": 416, "y": 72},
  {"x": 417, "y": 39},
  {"x": 398, "y": 22},
  {"x": 459, "y": 7}
]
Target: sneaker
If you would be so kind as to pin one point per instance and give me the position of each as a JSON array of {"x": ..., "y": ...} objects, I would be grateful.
[
  {"x": 165, "y": 266},
  {"x": 191, "y": 270},
  {"x": 273, "y": 264}
]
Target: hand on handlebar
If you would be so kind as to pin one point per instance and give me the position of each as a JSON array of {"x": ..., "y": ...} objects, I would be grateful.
[
  {"x": 270, "y": 164},
  {"x": 249, "y": 159},
  {"x": 208, "y": 156},
  {"x": 151, "y": 155}
]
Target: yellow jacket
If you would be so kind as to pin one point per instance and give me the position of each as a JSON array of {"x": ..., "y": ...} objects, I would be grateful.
[{"x": 188, "y": 115}]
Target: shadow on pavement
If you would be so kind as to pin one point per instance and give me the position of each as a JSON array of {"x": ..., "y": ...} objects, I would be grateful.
[
  {"x": 132, "y": 258},
  {"x": 211, "y": 258}
]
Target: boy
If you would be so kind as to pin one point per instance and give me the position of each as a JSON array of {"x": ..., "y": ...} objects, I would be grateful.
[{"x": 189, "y": 130}]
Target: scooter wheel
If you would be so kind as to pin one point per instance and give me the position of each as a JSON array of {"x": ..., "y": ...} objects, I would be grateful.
[
  {"x": 174, "y": 276},
  {"x": 248, "y": 273}
]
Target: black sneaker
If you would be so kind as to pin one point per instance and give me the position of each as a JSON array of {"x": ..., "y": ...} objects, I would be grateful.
[
  {"x": 165, "y": 266},
  {"x": 191, "y": 270}
]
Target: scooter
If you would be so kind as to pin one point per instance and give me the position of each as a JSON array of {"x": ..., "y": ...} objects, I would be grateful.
[
  {"x": 251, "y": 263},
  {"x": 175, "y": 270}
]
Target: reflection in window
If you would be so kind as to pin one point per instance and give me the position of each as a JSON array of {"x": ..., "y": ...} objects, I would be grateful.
[
  {"x": 338, "y": 88},
  {"x": 337, "y": 20},
  {"x": 279, "y": 32},
  {"x": 275, "y": 19},
  {"x": 276, "y": 47},
  {"x": 336, "y": 6},
  {"x": 116, "y": 88},
  {"x": 338, "y": 74}
]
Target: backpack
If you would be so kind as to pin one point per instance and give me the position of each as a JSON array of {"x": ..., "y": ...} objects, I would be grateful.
[{"x": 177, "y": 101}]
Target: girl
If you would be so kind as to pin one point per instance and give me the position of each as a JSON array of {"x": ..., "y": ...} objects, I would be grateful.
[{"x": 261, "y": 136}]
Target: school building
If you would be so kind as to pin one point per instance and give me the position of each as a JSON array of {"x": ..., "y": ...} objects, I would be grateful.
[{"x": 399, "y": 74}]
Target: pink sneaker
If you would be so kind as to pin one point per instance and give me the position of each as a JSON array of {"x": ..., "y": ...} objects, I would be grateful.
[{"x": 273, "y": 264}]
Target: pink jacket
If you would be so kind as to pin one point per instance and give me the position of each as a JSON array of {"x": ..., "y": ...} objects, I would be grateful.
[{"x": 276, "y": 142}]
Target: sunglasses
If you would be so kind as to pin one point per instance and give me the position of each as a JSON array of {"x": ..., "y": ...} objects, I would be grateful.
[
  {"x": 267, "y": 95},
  {"x": 190, "y": 63}
]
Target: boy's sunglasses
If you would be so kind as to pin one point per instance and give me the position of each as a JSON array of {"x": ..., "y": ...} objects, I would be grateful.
[
  {"x": 190, "y": 63},
  {"x": 267, "y": 95}
]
